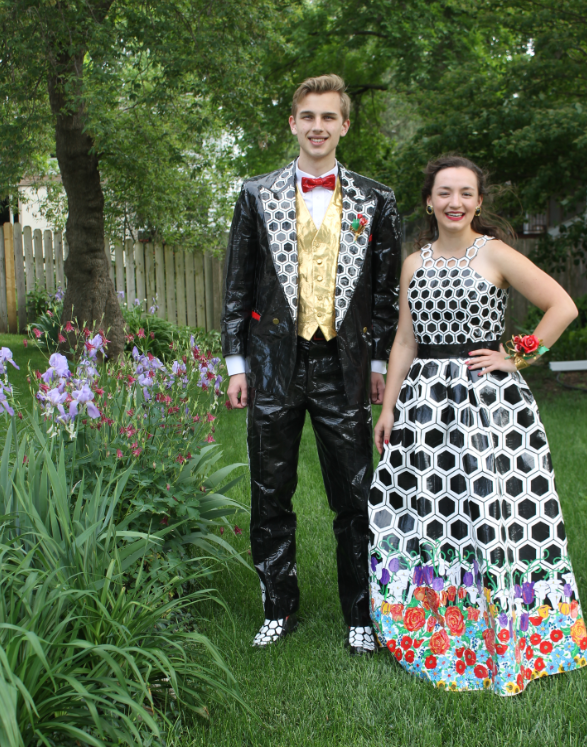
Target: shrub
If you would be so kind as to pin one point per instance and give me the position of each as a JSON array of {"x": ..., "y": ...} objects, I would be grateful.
[
  {"x": 154, "y": 420},
  {"x": 572, "y": 344},
  {"x": 90, "y": 654}
]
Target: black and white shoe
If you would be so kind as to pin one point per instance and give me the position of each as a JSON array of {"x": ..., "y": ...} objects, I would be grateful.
[
  {"x": 272, "y": 630},
  {"x": 361, "y": 641}
]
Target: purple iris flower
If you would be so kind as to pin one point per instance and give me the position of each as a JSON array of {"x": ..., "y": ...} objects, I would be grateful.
[
  {"x": 428, "y": 574},
  {"x": 524, "y": 619},
  {"x": 84, "y": 396},
  {"x": 146, "y": 394},
  {"x": 6, "y": 357},
  {"x": 528, "y": 592},
  {"x": 438, "y": 584},
  {"x": 567, "y": 590},
  {"x": 418, "y": 575},
  {"x": 373, "y": 563},
  {"x": 393, "y": 565},
  {"x": 60, "y": 364},
  {"x": 4, "y": 404},
  {"x": 517, "y": 591},
  {"x": 468, "y": 579},
  {"x": 56, "y": 396},
  {"x": 503, "y": 619},
  {"x": 385, "y": 577}
]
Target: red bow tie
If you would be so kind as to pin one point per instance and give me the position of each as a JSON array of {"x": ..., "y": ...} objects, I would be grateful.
[{"x": 328, "y": 182}]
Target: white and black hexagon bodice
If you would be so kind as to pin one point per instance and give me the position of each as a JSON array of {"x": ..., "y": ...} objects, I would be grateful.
[{"x": 452, "y": 304}]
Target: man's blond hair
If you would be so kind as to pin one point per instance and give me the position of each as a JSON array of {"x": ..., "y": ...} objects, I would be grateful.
[{"x": 323, "y": 84}]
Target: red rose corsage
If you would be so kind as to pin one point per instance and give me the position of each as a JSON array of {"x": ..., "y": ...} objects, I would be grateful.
[{"x": 524, "y": 350}]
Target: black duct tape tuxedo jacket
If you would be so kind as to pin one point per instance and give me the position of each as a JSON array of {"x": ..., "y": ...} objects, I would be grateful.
[{"x": 259, "y": 317}]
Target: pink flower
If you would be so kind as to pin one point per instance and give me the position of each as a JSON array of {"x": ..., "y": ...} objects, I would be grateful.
[
  {"x": 228, "y": 405},
  {"x": 152, "y": 335},
  {"x": 168, "y": 486},
  {"x": 118, "y": 454},
  {"x": 25, "y": 343},
  {"x": 99, "y": 391},
  {"x": 69, "y": 327},
  {"x": 25, "y": 459},
  {"x": 209, "y": 439},
  {"x": 179, "y": 458},
  {"x": 196, "y": 418},
  {"x": 141, "y": 334},
  {"x": 49, "y": 313},
  {"x": 165, "y": 521},
  {"x": 237, "y": 530},
  {"x": 221, "y": 530},
  {"x": 210, "y": 418},
  {"x": 37, "y": 332},
  {"x": 87, "y": 332},
  {"x": 60, "y": 338},
  {"x": 136, "y": 452}
]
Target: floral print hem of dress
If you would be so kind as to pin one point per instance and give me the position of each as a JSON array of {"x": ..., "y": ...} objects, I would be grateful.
[{"x": 470, "y": 580}]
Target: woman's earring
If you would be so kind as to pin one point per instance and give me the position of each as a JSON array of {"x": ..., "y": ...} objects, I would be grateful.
[
  {"x": 478, "y": 211},
  {"x": 429, "y": 209}
]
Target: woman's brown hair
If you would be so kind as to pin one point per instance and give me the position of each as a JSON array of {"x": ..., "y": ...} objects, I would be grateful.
[{"x": 487, "y": 224}]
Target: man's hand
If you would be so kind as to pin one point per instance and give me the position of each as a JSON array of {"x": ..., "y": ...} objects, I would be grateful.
[
  {"x": 377, "y": 388},
  {"x": 237, "y": 390}
]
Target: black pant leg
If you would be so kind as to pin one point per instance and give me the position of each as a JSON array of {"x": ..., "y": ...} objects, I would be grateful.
[
  {"x": 344, "y": 436},
  {"x": 274, "y": 431}
]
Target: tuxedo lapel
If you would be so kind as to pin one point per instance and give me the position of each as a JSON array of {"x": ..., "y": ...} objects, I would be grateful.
[
  {"x": 352, "y": 250},
  {"x": 279, "y": 212}
]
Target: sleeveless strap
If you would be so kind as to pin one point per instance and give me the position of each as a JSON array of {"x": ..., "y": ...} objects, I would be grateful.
[
  {"x": 472, "y": 251},
  {"x": 426, "y": 253}
]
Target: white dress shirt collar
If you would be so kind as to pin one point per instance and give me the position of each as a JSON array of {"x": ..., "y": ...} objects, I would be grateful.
[{"x": 300, "y": 173}]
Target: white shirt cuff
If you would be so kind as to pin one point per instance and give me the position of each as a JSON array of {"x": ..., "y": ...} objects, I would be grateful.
[
  {"x": 378, "y": 367},
  {"x": 235, "y": 364}
]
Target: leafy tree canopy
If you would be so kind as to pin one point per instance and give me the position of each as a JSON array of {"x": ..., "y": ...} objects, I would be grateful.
[{"x": 501, "y": 81}]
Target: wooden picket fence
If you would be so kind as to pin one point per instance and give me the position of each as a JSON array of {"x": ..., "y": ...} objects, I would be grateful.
[{"x": 185, "y": 286}]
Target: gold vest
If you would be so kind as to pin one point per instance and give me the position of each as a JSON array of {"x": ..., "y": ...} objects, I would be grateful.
[{"x": 317, "y": 264}]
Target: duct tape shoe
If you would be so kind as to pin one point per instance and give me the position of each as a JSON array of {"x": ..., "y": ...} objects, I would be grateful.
[
  {"x": 273, "y": 630},
  {"x": 361, "y": 641}
]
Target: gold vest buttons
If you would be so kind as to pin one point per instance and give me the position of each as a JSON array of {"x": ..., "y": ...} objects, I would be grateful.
[
  {"x": 364, "y": 330},
  {"x": 319, "y": 278},
  {"x": 276, "y": 321},
  {"x": 318, "y": 261}
]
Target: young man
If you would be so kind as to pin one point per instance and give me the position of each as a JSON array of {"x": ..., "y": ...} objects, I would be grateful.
[{"x": 310, "y": 310}]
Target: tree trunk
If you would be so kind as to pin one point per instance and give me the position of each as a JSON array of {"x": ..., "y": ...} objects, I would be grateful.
[{"x": 90, "y": 296}]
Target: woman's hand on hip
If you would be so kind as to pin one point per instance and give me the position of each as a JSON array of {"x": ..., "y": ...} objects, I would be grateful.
[
  {"x": 485, "y": 361},
  {"x": 383, "y": 430}
]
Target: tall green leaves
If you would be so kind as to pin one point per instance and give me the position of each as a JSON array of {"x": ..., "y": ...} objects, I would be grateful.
[{"x": 90, "y": 653}]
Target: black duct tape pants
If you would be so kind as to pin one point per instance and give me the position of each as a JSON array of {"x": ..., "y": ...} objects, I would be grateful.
[{"x": 344, "y": 437}]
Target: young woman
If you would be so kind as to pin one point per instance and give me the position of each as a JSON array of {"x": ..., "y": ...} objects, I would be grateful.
[{"x": 471, "y": 583}]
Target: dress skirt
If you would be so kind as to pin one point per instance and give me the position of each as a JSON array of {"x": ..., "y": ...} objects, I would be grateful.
[{"x": 471, "y": 583}]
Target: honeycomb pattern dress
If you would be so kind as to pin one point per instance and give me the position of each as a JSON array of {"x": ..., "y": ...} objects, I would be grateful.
[{"x": 470, "y": 579}]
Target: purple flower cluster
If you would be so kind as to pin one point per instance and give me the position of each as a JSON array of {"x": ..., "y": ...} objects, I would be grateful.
[
  {"x": 60, "y": 389},
  {"x": 5, "y": 387},
  {"x": 146, "y": 368}
]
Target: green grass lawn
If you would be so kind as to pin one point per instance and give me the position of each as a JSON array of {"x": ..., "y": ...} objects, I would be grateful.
[{"x": 307, "y": 690}]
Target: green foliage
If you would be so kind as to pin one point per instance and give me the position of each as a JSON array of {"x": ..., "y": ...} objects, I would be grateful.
[
  {"x": 45, "y": 310},
  {"x": 160, "y": 87},
  {"x": 162, "y": 338},
  {"x": 501, "y": 82},
  {"x": 554, "y": 252},
  {"x": 89, "y": 654},
  {"x": 572, "y": 344}
]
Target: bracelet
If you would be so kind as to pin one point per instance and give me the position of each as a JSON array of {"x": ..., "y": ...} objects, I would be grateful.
[{"x": 524, "y": 350}]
